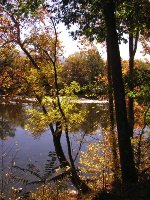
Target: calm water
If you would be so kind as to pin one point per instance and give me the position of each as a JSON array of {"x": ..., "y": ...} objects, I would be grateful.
[{"x": 23, "y": 148}]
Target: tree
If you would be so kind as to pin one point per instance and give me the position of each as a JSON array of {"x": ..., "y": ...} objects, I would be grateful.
[
  {"x": 113, "y": 139},
  {"x": 42, "y": 49},
  {"x": 126, "y": 154},
  {"x": 140, "y": 90},
  {"x": 11, "y": 71},
  {"x": 97, "y": 19},
  {"x": 83, "y": 67},
  {"x": 145, "y": 40},
  {"x": 134, "y": 17}
]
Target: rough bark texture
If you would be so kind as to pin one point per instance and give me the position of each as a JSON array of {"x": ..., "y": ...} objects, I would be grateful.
[{"x": 128, "y": 169}]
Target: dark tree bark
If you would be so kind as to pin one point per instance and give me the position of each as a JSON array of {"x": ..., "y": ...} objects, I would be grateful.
[
  {"x": 130, "y": 99},
  {"x": 58, "y": 148},
  {"x": 129, "y": 173},
  {"x": 113, "y": 138},
  {"x": 81, "y": 186},
  {"x": 74, "y": 177},
  {"x": 132, "y": 50}
]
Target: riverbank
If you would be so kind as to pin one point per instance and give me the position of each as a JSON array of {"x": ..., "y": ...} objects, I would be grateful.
[
  {"x": 21, "y": 99},
  {"x": 15, "y": 99}
]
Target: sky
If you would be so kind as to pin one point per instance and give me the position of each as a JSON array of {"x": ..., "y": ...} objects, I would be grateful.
[{"x": 71, "y": 46}]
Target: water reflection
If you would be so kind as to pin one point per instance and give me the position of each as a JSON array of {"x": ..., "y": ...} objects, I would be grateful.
[
  {"x": 11, "y": 116},
  {"x": 33, "y": 148},
  {"x": 22, "y": 147},
  {"x": 96, "y": 117},
  {"x": 6, "y": 128}
]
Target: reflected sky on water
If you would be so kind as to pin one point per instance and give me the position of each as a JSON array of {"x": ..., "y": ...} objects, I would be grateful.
[
  {"x": 36, "y": 147},
  {"x": 21, "y": 147}
]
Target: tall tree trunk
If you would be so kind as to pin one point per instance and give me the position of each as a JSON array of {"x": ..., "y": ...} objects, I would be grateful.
[
  {"x": 130, "y": 99},
  {"x": 129, "y": 173},
  {"x": 113, "y": 139},
  {"x": 132, "y": 51}
]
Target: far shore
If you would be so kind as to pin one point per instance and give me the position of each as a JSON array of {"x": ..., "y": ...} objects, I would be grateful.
[{"x": 20, "y": 99}]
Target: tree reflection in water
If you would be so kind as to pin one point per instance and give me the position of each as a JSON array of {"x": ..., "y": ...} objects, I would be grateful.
[
  {"x": 96, "y": 117},
  {"x": 10, "y": 116},
  {"x": 13, "y": 116}
]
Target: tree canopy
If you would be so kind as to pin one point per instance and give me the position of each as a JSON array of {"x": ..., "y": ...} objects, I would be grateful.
[{"x": 83, "y": 67}]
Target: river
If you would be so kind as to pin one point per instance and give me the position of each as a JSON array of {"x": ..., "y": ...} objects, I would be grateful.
[{"x": 21, "y": 148}]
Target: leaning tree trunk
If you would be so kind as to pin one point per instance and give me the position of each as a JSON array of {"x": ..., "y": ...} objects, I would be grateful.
[
  {"x": 58, "y": 148},
  {"x": 79, "y": 184},
  {"x": 129, "y": 173}
]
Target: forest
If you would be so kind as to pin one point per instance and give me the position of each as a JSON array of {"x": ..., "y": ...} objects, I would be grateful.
[{"x": 41, "y": 92}]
